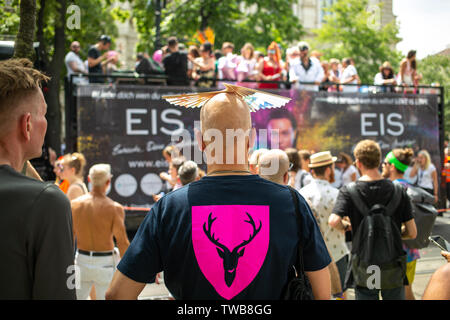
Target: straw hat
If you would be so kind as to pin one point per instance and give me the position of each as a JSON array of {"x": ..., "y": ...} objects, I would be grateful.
[
  {"x": 321, "y": 159},
  {"x": 386, "y": 65}
]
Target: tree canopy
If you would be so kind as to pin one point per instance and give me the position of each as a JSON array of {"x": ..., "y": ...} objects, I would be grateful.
[
  {"x": 351, "y": 30},
  {"x": 254, "y": 21}
]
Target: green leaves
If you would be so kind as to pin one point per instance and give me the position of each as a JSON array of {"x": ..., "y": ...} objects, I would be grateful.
[
  {"x": 435, "y": 69},
  {"x": 255, "y": 21},
  {"x": 352, "y": 29}
]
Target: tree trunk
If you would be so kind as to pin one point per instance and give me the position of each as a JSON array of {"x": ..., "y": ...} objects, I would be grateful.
[
  {"x": 23, "y": 47},
  {"x": 53, "y": 138}
]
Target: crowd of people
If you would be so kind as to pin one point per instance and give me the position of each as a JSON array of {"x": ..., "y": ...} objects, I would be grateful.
[
  {"x": 268, "y": 213},
  {"x": 203, "y": 66}
]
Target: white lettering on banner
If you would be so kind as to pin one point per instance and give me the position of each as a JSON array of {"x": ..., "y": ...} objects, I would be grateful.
[
  {"x": 392, "y": 120},
  {"x": 152, "y": 146},
  {"x": 395, "y": 124},
  {"x": 365, "y": 124},
  {"x": 130, "y": 121},
  {"x": 118, "y": 150},
  {"x": 167, "y": 120}
]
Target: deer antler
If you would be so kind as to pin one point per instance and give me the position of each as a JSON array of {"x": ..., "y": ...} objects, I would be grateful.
[
  {"x": 208, "y": 232},
  {"x": 255, "y": 231}
]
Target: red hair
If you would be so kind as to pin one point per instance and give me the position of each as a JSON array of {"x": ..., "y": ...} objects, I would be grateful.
[{"x": 274, "y": 46}]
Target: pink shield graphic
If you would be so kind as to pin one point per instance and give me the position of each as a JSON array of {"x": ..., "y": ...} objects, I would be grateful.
[{"x": 230, "y": 244}]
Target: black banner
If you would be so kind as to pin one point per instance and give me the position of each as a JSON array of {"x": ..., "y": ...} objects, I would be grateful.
[{"x": 128, "y": 126}]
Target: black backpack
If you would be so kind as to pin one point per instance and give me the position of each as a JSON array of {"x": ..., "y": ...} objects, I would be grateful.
[
  {"x": 377, "y": 243},
  {"x": 424, "y": 215}
]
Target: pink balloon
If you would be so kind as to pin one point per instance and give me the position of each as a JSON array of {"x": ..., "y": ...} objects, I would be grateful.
[{"x": 157, "y": 56}]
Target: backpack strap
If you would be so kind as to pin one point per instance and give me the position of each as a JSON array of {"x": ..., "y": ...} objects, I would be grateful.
[
  {"x": 364, "y": 209},
  {"x": 299, "y": 264},
  {"x": 391, "y": 207},
  {"x": 356, "y": 198}
]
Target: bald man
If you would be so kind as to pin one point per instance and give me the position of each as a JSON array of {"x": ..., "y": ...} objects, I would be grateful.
[
  {"x": 274, "y": 166},
  {"x": 74, "y": 64},
  {"x": 230, "y": 235}
]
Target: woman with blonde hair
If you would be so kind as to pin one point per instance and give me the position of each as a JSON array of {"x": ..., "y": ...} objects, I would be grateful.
[
  {"x": 246, "y": 69},
  {"x": 72, "y": 170},
  {"x": 427, "y": 174}
]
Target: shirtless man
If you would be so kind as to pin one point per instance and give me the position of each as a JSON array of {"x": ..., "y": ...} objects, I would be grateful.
[{"x": 96, "y": 220}]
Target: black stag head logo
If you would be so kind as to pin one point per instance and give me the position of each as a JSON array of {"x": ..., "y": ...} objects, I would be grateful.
[{"x": 230, "y": 258}]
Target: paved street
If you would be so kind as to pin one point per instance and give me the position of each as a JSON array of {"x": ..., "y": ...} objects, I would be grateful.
[{"x": 428, "y": 263}]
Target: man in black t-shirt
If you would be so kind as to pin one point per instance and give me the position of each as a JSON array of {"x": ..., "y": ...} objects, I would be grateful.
[
  {"x": 374, "y": 189},
  {"x": 230, "y": 235},
  {"x": 36, "y": 245},
  {"x": 96, "y": 59},
  {"x": 175, "y": 65}
]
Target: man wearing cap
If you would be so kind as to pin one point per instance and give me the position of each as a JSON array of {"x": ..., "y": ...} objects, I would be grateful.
[
  {"x": 96, "y": 60},
  {"x": 230, "y": 235},
  {"x": 321, "y": 196},
  {"x": 306, "y": 69},
  {"x": 96, "y": 220}
]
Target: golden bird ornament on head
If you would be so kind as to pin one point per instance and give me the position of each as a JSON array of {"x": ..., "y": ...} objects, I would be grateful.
[{"x": 255, "y": 99}]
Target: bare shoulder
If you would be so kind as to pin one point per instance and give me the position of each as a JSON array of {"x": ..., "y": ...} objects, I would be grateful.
[
  {"x": 118, "y": 207},
  {"x": 78, "y": 202}
]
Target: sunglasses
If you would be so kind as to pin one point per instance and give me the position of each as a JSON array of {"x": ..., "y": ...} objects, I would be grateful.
[{"x": 290, "y": 166}]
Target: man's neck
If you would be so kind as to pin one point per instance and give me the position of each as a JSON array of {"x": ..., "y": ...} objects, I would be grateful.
[
  {"x": 370, "y": 175},
  {"x": 228, "y": 169},
  {"x": 98, "y": 192},
  {"x": 11, "y": 157},
  {"x": 395, "y": 176},
  {"x": 323, "y": 178}
]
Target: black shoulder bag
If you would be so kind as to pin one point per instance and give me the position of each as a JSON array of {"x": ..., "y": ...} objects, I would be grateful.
[{"x": 298, "y": 288}]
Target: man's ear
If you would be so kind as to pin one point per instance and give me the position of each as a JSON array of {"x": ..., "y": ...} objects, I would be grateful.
[
  {"x": 200, "y": 142},
  {"x": 286, "y": 178},
  {"x": 25, "y": 126}
]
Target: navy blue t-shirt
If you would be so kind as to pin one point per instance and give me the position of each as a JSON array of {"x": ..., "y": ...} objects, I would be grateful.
[{"x": 228, "y": 237}]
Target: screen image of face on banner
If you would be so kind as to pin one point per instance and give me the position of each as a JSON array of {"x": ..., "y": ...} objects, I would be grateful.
[{"x": 128, "y": 127}]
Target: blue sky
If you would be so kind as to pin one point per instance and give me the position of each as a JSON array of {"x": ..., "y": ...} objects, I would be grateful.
[{"x": 424, "y": 25}]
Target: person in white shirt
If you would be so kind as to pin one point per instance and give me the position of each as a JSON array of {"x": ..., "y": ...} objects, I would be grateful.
[
  {"x": 246, "y": 69},
  {"x": 426, "y": 174},
  {"x": 228, "y": 63},
  {"x": 348, "y": 170},
  {"x": 74, "y": 64},
  {"x": 321, "y": 197},
  {"x": 385, "y": 76},
  {"x": 349, "y": 75},
  {"x": 306, "y": 69}
]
